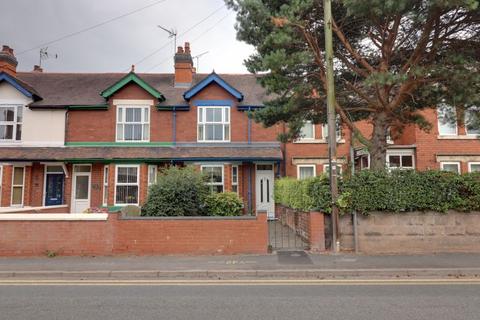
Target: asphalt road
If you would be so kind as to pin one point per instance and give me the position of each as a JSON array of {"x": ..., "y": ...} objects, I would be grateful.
[{"x": 244, "y": 301}]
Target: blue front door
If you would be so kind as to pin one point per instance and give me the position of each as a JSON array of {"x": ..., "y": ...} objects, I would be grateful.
[{"x": 54, "y": 189}]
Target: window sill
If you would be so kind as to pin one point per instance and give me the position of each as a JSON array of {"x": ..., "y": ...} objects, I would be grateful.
[
  {"x": 214, "y": 141},
  {"x": 316, "y": 141},
  {"x": 458, "y": 137}
]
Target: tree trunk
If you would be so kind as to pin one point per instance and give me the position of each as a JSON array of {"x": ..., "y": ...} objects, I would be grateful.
[{"x": 378, "y": 148}]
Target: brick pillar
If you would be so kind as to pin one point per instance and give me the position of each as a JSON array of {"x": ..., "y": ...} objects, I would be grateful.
[
  {"x": 111, "y": 184},
  {"x": 6, "y": 185},
  {"x": 227, "y": 183},
  {"x": 316, "y": 231},
  {"x": 143, "y": 183},
  {"x": 27, "y": 186}
]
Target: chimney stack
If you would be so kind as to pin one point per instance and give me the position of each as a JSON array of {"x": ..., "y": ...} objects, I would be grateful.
[
  {"x": 37, "y": 68},
  {"x": 183, "y": 67},
  {"x": 8, "y": 62}
]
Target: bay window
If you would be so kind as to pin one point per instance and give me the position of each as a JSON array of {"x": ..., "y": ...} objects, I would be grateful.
[
  {"x": 214, "y": 175},
  {"x": 11, "y": 118},
  {"x": 127, "y": 184},
  {"x": 214, "y": 124},
  {"x": 133, "y": 123}
]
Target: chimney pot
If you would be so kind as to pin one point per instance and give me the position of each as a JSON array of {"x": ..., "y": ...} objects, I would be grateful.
[
  {"x": 37, "y": 68},
  {"x": 8, "y": 62},
  {"x": 187, "y": 47},
  {"x": 179, "y": 49}
]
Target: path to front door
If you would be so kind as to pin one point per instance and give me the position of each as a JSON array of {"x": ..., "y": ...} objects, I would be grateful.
[{"x": 264, "y": 189}]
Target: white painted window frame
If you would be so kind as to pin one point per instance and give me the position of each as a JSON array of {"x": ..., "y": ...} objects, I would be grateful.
[
  {"x": 300, "y": 166},
  {"x": 470, "y": 165},
  {"x": 106, "y": 174},
  {"x": 439, "y": 124},
  {"x": 302, "y": 138},
  {"x": 400, "y": 154},
  {"x": 338, "y": 130},
  {"x": 201, "y": 122},
  {"x": 153, "y": 167},
  {"x": 145, "y": 109},
  {"x": 126, "y": 183},
  {"x": 14, "y": 122},
  {"x": 458, "y": 163},
  {"x": 17, "y": 185},
  {"x": 223, "y": 175},
  {"x": 467, "y": 112},
  {"x": 235, "y": 182},
  {"x": 327, "y": 166}
]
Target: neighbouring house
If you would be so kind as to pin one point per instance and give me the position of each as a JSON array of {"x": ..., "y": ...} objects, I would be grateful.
[{"x": 70, "y": 141}]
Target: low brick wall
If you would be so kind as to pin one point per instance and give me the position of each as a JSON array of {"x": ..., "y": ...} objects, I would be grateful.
[
  {"x": 415, "y": 232},
  {"x": 138, "y": 236},
  {"x": 307, "y": 225}
]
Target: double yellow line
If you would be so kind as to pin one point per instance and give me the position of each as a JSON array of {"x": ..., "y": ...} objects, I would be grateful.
[{"x": 256, "y": 282}]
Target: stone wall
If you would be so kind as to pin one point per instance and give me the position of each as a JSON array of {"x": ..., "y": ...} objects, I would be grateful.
[{"x": 415, "y": 232}]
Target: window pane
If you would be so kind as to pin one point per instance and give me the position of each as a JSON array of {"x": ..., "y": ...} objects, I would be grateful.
[
  {"x": 209, "y": 132},
  {"x": 200, "y": 114},
  {"x": 394, "y": 161},
  {"x": 120, "y": 115},
  {"x": 217, "y": 114},
  {"x": 217, "y": 132},
  {"x": 105, "y": 175},
  {"x": 200, "y": 132},
  {"x": 227, "y": 132},
  {"x": 152, "y": 174},
  {"x": 407, "y": 161},
  {"x": 19, "y": 113},
  {"x": 146, "y": 116},
  {"x": 18, "y": 176},
  {"x": 55, "y": 169},
  {"x": 209, "y": 114},
  {"x": 475, "y": 167},
  {"x": 122, "y": 174},
  {"x": 129, "y": 114},
  {"x": 6, "y": 132},
  {"x": 7, "y": 114},
  {"x": 306, "y": 172},
  {"x": 119, "y": 131},
  {"x": 17, "y": 195},
  {"x": 146, "y": 132},
  {"x": 447, "y": 120},
  {"x": 132, "y": 175},
  {"x": 128, "y": 132},
  {"x": 235, "y": 188},
  {"x": 137, "y": 132},
  {"x": 19, "y": 132},
  {"x": 472, "y": 121},
  {"x": 105, "y": 195},
  {"x": 307, "y": 131},
  {"x": 82, "y": 168},
  {"x": 127, "y": 195},
  {"x": 81, "y": 187},
  {"x": 227, "y": 115},
  {"x": 451, "y": 167},
  {"x": 234, "y": 175}
]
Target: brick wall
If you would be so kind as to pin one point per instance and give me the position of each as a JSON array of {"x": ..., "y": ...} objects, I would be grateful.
[
  {"x": 416, "y": 232},
  {"x": 235, "y": 235}
]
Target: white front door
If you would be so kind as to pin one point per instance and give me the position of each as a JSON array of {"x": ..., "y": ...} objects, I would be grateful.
[
  {"x": 264, "y": 189},
  {"x": 81, "y": 188}
]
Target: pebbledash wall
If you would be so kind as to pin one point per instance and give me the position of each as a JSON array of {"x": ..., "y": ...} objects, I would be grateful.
[
  {"x": 112, "y": 234},
  {"x": 414, "y": 232}
]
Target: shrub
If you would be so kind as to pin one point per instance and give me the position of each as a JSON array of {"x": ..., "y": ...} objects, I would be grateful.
[
  {"x": 223, "y": 204},
  {"x": 178, "y": 192},
  {"x": 396, "y": 191}
]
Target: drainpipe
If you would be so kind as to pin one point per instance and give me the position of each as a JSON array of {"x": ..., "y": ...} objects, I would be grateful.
[
  {"x": 174, "y": 124},
  {"x": 354, "y": 213},
  {"x": 249, "y": 128}
]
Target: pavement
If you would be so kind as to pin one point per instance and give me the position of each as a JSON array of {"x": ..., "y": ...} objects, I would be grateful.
[{"x": 280, "y": 265}]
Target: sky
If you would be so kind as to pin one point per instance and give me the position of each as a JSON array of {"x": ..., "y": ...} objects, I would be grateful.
[{"x": 115, "y": 46}]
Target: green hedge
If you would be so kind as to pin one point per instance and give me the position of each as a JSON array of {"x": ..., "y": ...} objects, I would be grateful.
[{"x": 396, "y": 191}]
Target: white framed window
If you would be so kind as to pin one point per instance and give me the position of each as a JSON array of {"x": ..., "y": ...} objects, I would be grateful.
[
  {"x": 18, "y": 183},
  {"x": 152, "y": 174},
  {"x": 11, "y": 118},
  {"x": 213, "y": 124},
  {"x": 472, "y": 121},
  {"x": 235, "y": 179},
  {"x": 326, "y": 169},
  {"x": 127, "y": 184},
  {"x": 400, "y": 161},
  {"x": 450, "y": 166},
  {"x": 133, "y": 123},
  {"x": 338, "y": 130},
  {"x": 447, "y": 120},
  {"x": 305, "y": 171},
  {"x": 106, "y": 170},
  {"x": 215, "y": 176},
  {"x": 365, "y": 162},
  {"x": 307, "y": 132},
  {"x": 474, "y": 167}
]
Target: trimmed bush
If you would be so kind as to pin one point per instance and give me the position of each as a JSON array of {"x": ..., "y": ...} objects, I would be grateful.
[
  {"x": 396, "y": 191},
  {"x": 178, "y": 192},
  {"x": 223, "y": 204}
]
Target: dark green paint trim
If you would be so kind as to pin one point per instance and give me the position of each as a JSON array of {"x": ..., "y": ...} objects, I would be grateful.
[
  {"x": 89, "y": 107},
  {"x": 118, "y": 144},
  {"x": 132, "y": 77}
]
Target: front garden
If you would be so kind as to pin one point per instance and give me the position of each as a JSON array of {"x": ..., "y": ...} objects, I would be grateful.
[{"x": 396, "y": 191}]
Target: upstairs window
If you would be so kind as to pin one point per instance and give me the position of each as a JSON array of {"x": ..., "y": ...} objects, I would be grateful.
[
  {"x": 338, "y": 130},
  {"x": 308, "y": 131},
  {"x": 11, "y": 118},
  {"x": 472, "y": 121},
  {"x": 133, "y": 123},
  {"x": 447, "y": 120},
  {"x": 213, "y": 124}
]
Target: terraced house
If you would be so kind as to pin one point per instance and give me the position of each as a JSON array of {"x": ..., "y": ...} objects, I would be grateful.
[{"x": 70, "y": 141}]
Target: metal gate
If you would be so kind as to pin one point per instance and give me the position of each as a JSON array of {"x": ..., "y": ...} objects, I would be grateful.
[{"x": 285, "y": 236}]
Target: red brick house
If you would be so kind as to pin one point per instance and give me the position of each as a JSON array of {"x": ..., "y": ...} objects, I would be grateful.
[{"x": 70, "y": 141}]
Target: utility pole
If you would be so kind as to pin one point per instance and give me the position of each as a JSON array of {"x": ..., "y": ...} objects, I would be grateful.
[{"x": 332, "y": 120}]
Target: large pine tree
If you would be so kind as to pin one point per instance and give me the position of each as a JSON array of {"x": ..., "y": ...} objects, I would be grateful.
[{"x": 392, "y": 59}]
